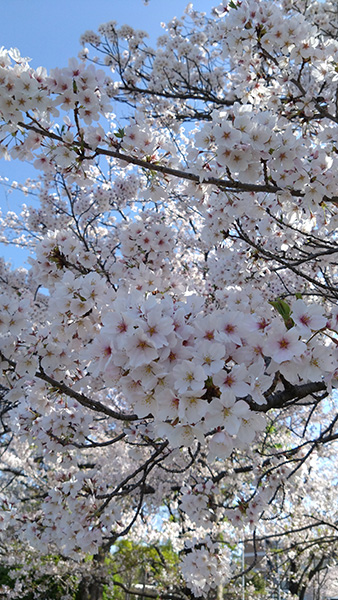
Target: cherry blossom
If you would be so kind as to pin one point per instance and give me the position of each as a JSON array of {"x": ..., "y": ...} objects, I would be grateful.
[{"x": 168, "y": 357}]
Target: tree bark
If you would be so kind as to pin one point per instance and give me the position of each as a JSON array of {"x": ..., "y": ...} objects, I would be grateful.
[{"x": 90, "y": 589}]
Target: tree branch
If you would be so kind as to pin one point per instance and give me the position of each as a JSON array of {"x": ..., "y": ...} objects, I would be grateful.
[
  {"x": 84, "y": 400},
  {"x": 151, "y": 166}
]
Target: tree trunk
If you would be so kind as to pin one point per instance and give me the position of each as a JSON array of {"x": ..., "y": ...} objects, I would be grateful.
[
  {"x": 89, "y": 589},
  {"x": 92, "y": 584}
]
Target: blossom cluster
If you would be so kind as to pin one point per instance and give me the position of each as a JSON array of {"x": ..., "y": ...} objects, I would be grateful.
[{"x": 181, "y": 286}]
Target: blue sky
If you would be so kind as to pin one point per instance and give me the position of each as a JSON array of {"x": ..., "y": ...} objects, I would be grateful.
[{"x": 48, "y": 32}]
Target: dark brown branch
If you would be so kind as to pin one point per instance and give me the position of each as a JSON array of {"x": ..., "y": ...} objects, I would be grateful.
[
  {"x": 146, "y": 467},
  {"x": 84, "y": 400},
  {"x": 292, "y": 394},
  {"x": 165, "y": 170}
]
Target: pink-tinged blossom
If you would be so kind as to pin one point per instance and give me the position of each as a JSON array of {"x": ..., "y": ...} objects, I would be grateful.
[
  {"x": 140, "y": 350},
  {"x": 191, "y": 407},
  {"x": 283, "y": 344},
  {"x": 174, "y": 353},
  {"x": 307, "y": 317},
  {"x": 145, "y": 405},
  {"x": 119, "y": 326},
  {"x": 206, "y": 328},
  {"x": 148, "y": 374},
  {"x": 188, "y": 375},
  {"x": 94, "y": 136},
  {"x": 167, "y": 404},
  {"x": 259, "y": 382},
  {"x": 251, "y": 351},
  {"x": 205, "y": 565},
  {"x": 211, "y": 355},
  {"x": 180, "y": 435},
  {"x": 226, "y": 412},
  {"x": 64, "y": 156},
  {"x": 250, "y": 426},
  {"x": 312, "y": 364},
  {"x": 181, "y": 328},
  {"x": 231, "y": 326},
  {"x": 333, "y": 321},
  {"x": 101, "y": 353},
  {"x": 157, "y": 327},
  {"x": 220, "y": 445},
  {"x": 79, "y": 307},
  {"x": 27, "y": 365},
  {"x": 233, "y": 382}
]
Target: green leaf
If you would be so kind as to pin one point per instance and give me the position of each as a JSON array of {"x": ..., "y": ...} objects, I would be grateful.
[
  {"x": 284, "y": 310},
  {"x": 119, "y": 133},
  {"x": 282, "y": 307}
]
